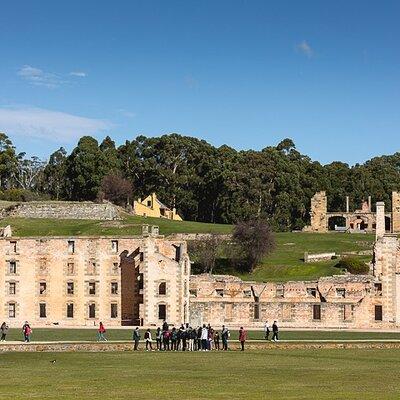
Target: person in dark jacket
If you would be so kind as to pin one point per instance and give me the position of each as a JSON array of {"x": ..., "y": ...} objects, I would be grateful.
[
  {"x": 166, "y": 338},
  {"x": 174, "y": 339},
  {"x": 275, "y": 331},
  {"x": 224, "y": 337},
  {"x": 4, "y": 330},
  {"x": 165, "y": 326},
  {"x": 136, "y": 338},
  {"x": 159, "y": 336},
  {"x": 216, "y": 340},
  {"x": 199, "y": 338}
]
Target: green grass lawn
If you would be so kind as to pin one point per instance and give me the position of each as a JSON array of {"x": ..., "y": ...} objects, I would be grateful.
[
  {"x": 130, "y": 225},
  {"x": 281, "y": 374},
  {"x": 43, "y": 334},
  {"x": 286, "y": 262}
]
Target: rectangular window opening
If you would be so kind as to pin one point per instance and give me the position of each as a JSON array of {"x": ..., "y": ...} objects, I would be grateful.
[
  {"x": 70, "y": 310},
  {"x": 317, "y": 312},
  {"x": 42, "y": 312}
]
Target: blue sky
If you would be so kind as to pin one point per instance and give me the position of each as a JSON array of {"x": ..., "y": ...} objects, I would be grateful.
[{"x": 242, "y": 73}]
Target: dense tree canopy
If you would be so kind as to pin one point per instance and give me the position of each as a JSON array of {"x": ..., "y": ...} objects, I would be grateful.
[{"x": 203, "y": 182}]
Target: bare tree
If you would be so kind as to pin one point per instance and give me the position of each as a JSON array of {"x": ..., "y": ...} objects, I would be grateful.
[
  {"x": 255, "y": 240},
  {"x": 28, "y": 171},
  {"x": 116, "y": 189},
  {"x": 205, "y": 251}
]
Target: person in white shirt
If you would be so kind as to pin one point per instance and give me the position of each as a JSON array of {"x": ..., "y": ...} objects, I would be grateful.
[
  {"x": 147, "y": 337},
  {"x": 204, "y": 338}
]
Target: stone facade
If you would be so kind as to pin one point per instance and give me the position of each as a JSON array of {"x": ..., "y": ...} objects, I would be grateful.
[
  {"x": 331, "y": 302},
  {"x": 344, "y": 301},
  {"x": 395, "y": 212},
  {"x": 80, "y": 281},
  {"x": 63, "y": 210},
  {"x": 363, "y": 219}
]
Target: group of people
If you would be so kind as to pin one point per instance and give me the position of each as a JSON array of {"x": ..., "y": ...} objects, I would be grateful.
[
  {"x": 26, "y": 331},
  {"x": 275, "y": 331},
  {"x": 184, "y": 338}
]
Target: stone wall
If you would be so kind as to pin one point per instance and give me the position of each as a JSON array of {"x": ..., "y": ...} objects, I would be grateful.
[
  {"x": 63, "y": 210},
  {"x": 345, "y": 301},
  {"x": 395, "y": 212},
  {"x": 233, "y": 345},
  {"x": 319, "y": 205}
]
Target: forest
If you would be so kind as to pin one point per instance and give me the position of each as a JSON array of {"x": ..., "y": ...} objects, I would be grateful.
[{"x": 205, "y": 183}]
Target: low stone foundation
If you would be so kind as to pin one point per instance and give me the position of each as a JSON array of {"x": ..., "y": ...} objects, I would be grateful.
[
  {"x": 234, "y": 346},
  {"x": 62, "y": 210}
]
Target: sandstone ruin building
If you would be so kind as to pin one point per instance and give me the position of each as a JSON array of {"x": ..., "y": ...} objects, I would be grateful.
[
  {"x": 355, "y": 221},
  {"x": 79, "y": 281},
  {"x": 143, "y": 280}
]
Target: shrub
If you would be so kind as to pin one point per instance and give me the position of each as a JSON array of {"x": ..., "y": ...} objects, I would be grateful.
[
  {"x": 353, "y": 265},
  {"x": 254, "y": 239},
  {"x": 22, "y": 195}
]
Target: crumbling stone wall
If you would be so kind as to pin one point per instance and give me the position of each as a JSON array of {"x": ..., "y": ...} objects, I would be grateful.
[
  {"x": 395, "y": 212},
  {"x": 319, "y": 206},
  {"x": 342, "y": 302},
  {"x": 64, "y": 210}
]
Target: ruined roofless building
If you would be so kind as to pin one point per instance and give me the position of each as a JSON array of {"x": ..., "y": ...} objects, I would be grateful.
[
  {"x": 79, "y": 281},
  {"x": 359, "y": 220},
  {"x": 344, "y": 301}
]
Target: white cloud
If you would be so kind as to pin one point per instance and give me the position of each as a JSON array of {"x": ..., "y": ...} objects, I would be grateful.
[
  {"x": 79, "y": 74},
  {"x": 304, "y": 48},
  {"x": 126, "y": 113},
  {"x": 38, "y": 77},
  {"x": 56, "y": 126}
]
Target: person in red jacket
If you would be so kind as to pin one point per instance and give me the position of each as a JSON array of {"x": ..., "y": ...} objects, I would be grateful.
[
  {"x": 242, "y": 337},
  {"x": 100, "y": 333}
]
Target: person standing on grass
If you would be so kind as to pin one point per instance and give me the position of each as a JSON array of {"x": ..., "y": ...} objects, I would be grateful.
[
  {"x": 27, "y": 331},
  {"x": 159, "y": 336},
  {"x": 225, "y": 337},
  {"x": 216, "y": 340},
  {"x": 192, "y": 339},
  {"x": 147, "y": 337},
  {"x": 199, "y": 330},
  {"x": 166, "y": 336},
  {"x": 4, "y": 330},
  {"x": 242, "y": 337},
  {"x": 174, "y": 339},
  {"x": 210, "y": 337},
  {"x": 100, "y": 333},
  {"x": 266, "y": 330},
  {"x": 204, "y": 338},
  {"x": 275, "y": 331},
  {"x": 136, "y": 338},
  {"x": 165, "y": 326}
]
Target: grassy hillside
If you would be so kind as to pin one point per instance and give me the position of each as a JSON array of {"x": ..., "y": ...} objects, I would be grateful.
[
  {"x": 286, "y": 262},
  {"x": 130, "y": 225}
]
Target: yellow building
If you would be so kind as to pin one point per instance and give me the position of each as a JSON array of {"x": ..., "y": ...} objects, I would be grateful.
[{"x": 152, "y": 207}]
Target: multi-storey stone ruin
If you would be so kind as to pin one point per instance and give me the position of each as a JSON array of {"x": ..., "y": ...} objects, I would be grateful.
[
  {"x": 82, "y": 280},
  {"x": 143, "y": 280},
  {"x": 343, "y": 301},
  {"x": 361, "y": 220}
]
